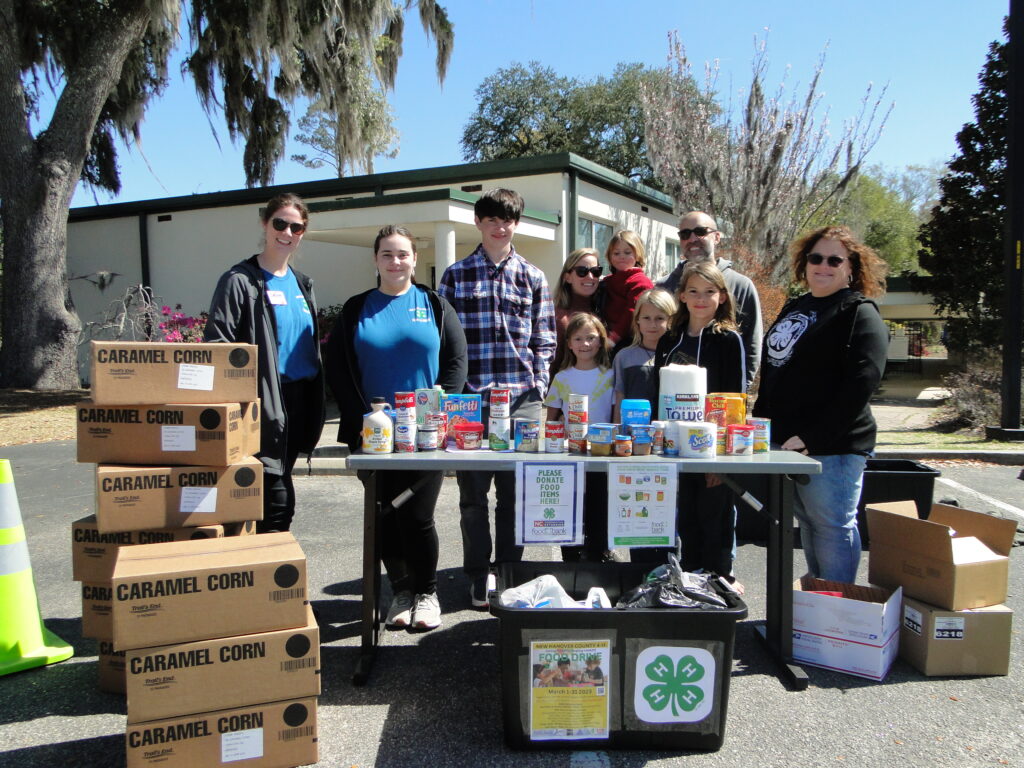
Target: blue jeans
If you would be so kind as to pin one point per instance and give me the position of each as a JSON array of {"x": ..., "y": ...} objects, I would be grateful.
[{"x": 827, "y": 510}]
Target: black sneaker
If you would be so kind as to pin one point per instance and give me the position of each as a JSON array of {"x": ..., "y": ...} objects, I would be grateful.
[{"x": 478, "y": 592}]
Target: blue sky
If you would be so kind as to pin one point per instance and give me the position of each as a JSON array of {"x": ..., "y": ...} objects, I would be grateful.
[{"x": 929, "y": 52}]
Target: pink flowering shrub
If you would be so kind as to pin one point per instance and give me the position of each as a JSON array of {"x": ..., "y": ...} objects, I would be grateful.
[{"x": 177, "y": 326}]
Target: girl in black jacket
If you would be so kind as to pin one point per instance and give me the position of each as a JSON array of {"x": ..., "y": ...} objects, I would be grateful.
[{"x": 398, "y": 337}]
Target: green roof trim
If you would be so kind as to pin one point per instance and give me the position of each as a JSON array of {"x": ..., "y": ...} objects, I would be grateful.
[
  {"x": 426, "y": 196},
  {"x": 379, "y": 183}
]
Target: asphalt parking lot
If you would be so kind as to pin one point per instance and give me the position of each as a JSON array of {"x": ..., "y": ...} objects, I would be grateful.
[{"x": 435, "y": 698}]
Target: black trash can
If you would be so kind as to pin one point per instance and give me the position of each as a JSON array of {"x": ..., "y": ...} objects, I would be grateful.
[
  {"x": 664, "y": 673},
  {"x": 895, "y": 480}
]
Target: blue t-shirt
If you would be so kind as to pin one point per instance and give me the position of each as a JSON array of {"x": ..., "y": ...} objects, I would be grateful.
[
  {"x": 296, "y": 347},
  {"x": 397, "y": 344}
]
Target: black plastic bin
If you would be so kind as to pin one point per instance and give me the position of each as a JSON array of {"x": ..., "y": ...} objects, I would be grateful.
[
  {"x": 658, "y": 658},
  {"x": 884, "y": 480}
]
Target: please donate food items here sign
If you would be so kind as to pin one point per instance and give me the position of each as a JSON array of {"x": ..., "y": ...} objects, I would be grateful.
[{"x": 549, "y": 503}]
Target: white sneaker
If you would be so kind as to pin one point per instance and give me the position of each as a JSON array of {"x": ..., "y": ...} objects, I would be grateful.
[
  {"x": 427, "y": 613},
  {"x": 400, "y": 612}
]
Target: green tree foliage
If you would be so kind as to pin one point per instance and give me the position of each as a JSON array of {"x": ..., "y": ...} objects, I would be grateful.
[
  {"x": 531, "y": 110},
  {"x": 962, "y": 244},
  {"x": 104, "y": 60}
]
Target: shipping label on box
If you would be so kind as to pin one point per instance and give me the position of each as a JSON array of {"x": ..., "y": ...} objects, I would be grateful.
[
  {"x": 938, "y": 641},
  {"x": 197, "y": 590},
  {"x": 216, "y": 434},
  {"x": 133, "y": 497},
  {"x": 174, "y": 680},
  {"x": 93, "y": 551},
  {"x": 140, "y": 372},
  {"x": 281, "y": 733},
  {"x": 110, "y": 664},
  {"x": 956, "y": 559}
]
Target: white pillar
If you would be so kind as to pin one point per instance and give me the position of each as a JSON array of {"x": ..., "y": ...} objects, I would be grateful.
[{"x": 444, "y": 246}]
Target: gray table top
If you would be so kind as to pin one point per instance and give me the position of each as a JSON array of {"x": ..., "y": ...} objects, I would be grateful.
[{"x": 771, "y": 463}]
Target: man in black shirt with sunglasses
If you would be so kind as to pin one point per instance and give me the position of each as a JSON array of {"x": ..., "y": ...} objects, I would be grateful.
[{"x": 698, "y": 238}]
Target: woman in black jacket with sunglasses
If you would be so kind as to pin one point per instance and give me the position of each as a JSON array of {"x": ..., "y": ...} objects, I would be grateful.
[
  {"x": 822, "y": 361},
  {"x": 267, "y": 302}
]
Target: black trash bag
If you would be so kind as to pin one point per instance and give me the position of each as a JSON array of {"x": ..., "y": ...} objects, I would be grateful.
[{"x": 669, "y": 586}]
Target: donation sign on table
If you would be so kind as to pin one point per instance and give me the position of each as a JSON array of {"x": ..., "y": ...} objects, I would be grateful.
[
  {"x": 569, "y": 689},
  {"x": 549, "y": 503},
  {"x": 641, "y": 505}
]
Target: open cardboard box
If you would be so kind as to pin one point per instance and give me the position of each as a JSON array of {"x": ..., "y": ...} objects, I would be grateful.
[{"x": 956, "y": 559}]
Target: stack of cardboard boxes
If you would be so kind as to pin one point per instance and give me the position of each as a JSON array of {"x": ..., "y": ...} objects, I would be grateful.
[
  {"x": 935, "y": 599},
  {"x": 210, "y": 634},
  {"x": 953, "y": 569}
]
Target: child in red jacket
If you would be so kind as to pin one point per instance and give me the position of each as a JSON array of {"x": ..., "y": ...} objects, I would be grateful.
[{"x": 625, "y": 256}]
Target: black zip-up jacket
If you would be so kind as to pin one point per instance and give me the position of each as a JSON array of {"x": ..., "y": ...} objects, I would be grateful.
[
  {"x": 821, "y": 392},
  {"x": 241, "y": 313},
  {"x": 720, "y": 353},
  {"x": 342, "y": 365}
]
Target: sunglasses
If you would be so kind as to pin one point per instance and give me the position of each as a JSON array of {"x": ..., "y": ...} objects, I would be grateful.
[
  {"x": 584, "y": 271},
  {"x": 833, "y": 261},
  {"x": 684, "y": 234},
  {"x": 297, "y": 227}
]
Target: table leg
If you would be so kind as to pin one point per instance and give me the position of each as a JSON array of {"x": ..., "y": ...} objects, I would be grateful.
[
  {"x": 777, "y": 633},
  {"x": 371, "y": 614}
]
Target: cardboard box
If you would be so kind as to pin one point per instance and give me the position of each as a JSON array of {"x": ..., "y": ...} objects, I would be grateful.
[
  {"x": 175, "y": 680},
  {"x": 955, "y": 559},
  {"x": 273, "y": 735},
  {"x": 198, "y": 590},
  {"x": 937, "y": 641},
  {"x": 216, "y": 434},
  {"x": 856, "y": 633},
  {"x": 246, "y": 528},
  {"x": 93, "y": 551},
  {"x": 140, "y": 372},
  {"x": 97, "y": 610},
  {"x": 132, "y": 498},
  {"x": 110, "y": 664}
]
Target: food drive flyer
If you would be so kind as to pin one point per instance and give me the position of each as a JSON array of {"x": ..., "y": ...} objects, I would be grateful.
[
  {"x": 549, "y": 503},
  {"x": 569, "y": 689},
  {"x": 641, "y": 505}
]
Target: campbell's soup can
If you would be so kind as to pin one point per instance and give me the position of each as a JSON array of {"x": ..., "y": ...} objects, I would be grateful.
[
  {"x": 554, "y": 437},
  {"x": 498, "y": 433},
  {"x": 405, "y": 407},
  {"x": 578, "y": 410},
  {"x": 762, "y": 433},
  {"x": 527, "y": 435},
  {"x": 501, "y": 403},
  {"x": 405, "y": 436},
  {"x": 576, "y": 437},
  {"x": 438, "y": 419},
  {"x": 739, "y": 440}
]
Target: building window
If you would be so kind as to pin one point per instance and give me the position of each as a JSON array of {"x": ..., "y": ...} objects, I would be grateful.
[
  {"x": 672, "y": 253},
  {"x": 593, "y": 234}
]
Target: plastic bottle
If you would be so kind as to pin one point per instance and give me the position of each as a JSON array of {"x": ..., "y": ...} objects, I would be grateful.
[{"x": 378, "y": 428}]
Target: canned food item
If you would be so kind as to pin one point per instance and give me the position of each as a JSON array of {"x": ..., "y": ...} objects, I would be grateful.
[
  {"x": 426, "y": 438},
  {"x": 578, "y": 409},
  {"x": 725, "y": 408},
  {"x": 501, "y": 403},
  {"x": 642, "y": 445},
  {"x": 554, "y": 437},
  {"x": 672, "y": 437},
  {"x": 427, "y": 401},
  {"x": 658, "y": 445},
  {"x": 623, "y": 445},
  {"x": 739, "y": 440},
  {"x": 527, "y": 435},
  {"x": 576, "y": 437},
  {"x": 405, "y": 407},
  {"x": 699, "y": 441},
  {"x": 469, "y": 435},
  {"x": 438, "y": 419},
  {"x": 405, "y": 437},
  {"x": 720, "y": 442},
  {"x": 762, "y": 433},
  {"x": 498, "y": 433},
  {"x": 602, "y": 433},
  {"x": 601, "y": 448}
]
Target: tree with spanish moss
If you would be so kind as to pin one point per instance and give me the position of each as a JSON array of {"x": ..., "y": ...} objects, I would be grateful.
[
  {"x": 103, "y": 60},
  {"x": 763, "y": 169}
]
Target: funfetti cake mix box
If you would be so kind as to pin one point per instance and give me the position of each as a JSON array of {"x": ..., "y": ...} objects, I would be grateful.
[{"x": 461, "y": 409}]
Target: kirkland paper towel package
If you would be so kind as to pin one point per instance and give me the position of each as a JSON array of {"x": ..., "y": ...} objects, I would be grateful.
[
  {"x": 140, "y": 372},
  {"x": 682, "y": 392}
]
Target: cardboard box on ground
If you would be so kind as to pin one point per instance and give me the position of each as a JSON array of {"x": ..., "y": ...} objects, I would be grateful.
[{"x": 937, "y": 641}]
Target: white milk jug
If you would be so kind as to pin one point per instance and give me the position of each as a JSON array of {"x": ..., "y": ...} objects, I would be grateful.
[{"x": 378, "y": 428}]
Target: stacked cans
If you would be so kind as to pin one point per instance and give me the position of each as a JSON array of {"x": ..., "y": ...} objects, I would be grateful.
[
  {"x": 405, "y": 422},
  {"x": 577, "y": 422},
  {"x": 499, "y": 423}
]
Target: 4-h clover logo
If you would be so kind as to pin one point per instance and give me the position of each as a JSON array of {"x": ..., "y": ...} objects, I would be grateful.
[
  {"x": 674, "y": 685},
  {"x": 549, "y": 513}
]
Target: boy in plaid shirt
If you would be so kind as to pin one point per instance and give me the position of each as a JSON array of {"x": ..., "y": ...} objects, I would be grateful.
[{"x": 506, "y": 311}]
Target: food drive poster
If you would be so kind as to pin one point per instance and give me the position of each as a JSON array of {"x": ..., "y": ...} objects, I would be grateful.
[
  {"x": 549, "y": 503},
  {"x": 569, "y": 689},
  {"x": 641, "y": 505}
]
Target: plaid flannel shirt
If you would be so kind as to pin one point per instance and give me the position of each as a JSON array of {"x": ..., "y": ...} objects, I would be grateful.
[{"x": 509, "y": 319}]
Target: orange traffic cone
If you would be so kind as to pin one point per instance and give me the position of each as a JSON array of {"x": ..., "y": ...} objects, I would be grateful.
[{"x": 24, "y": 641}]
